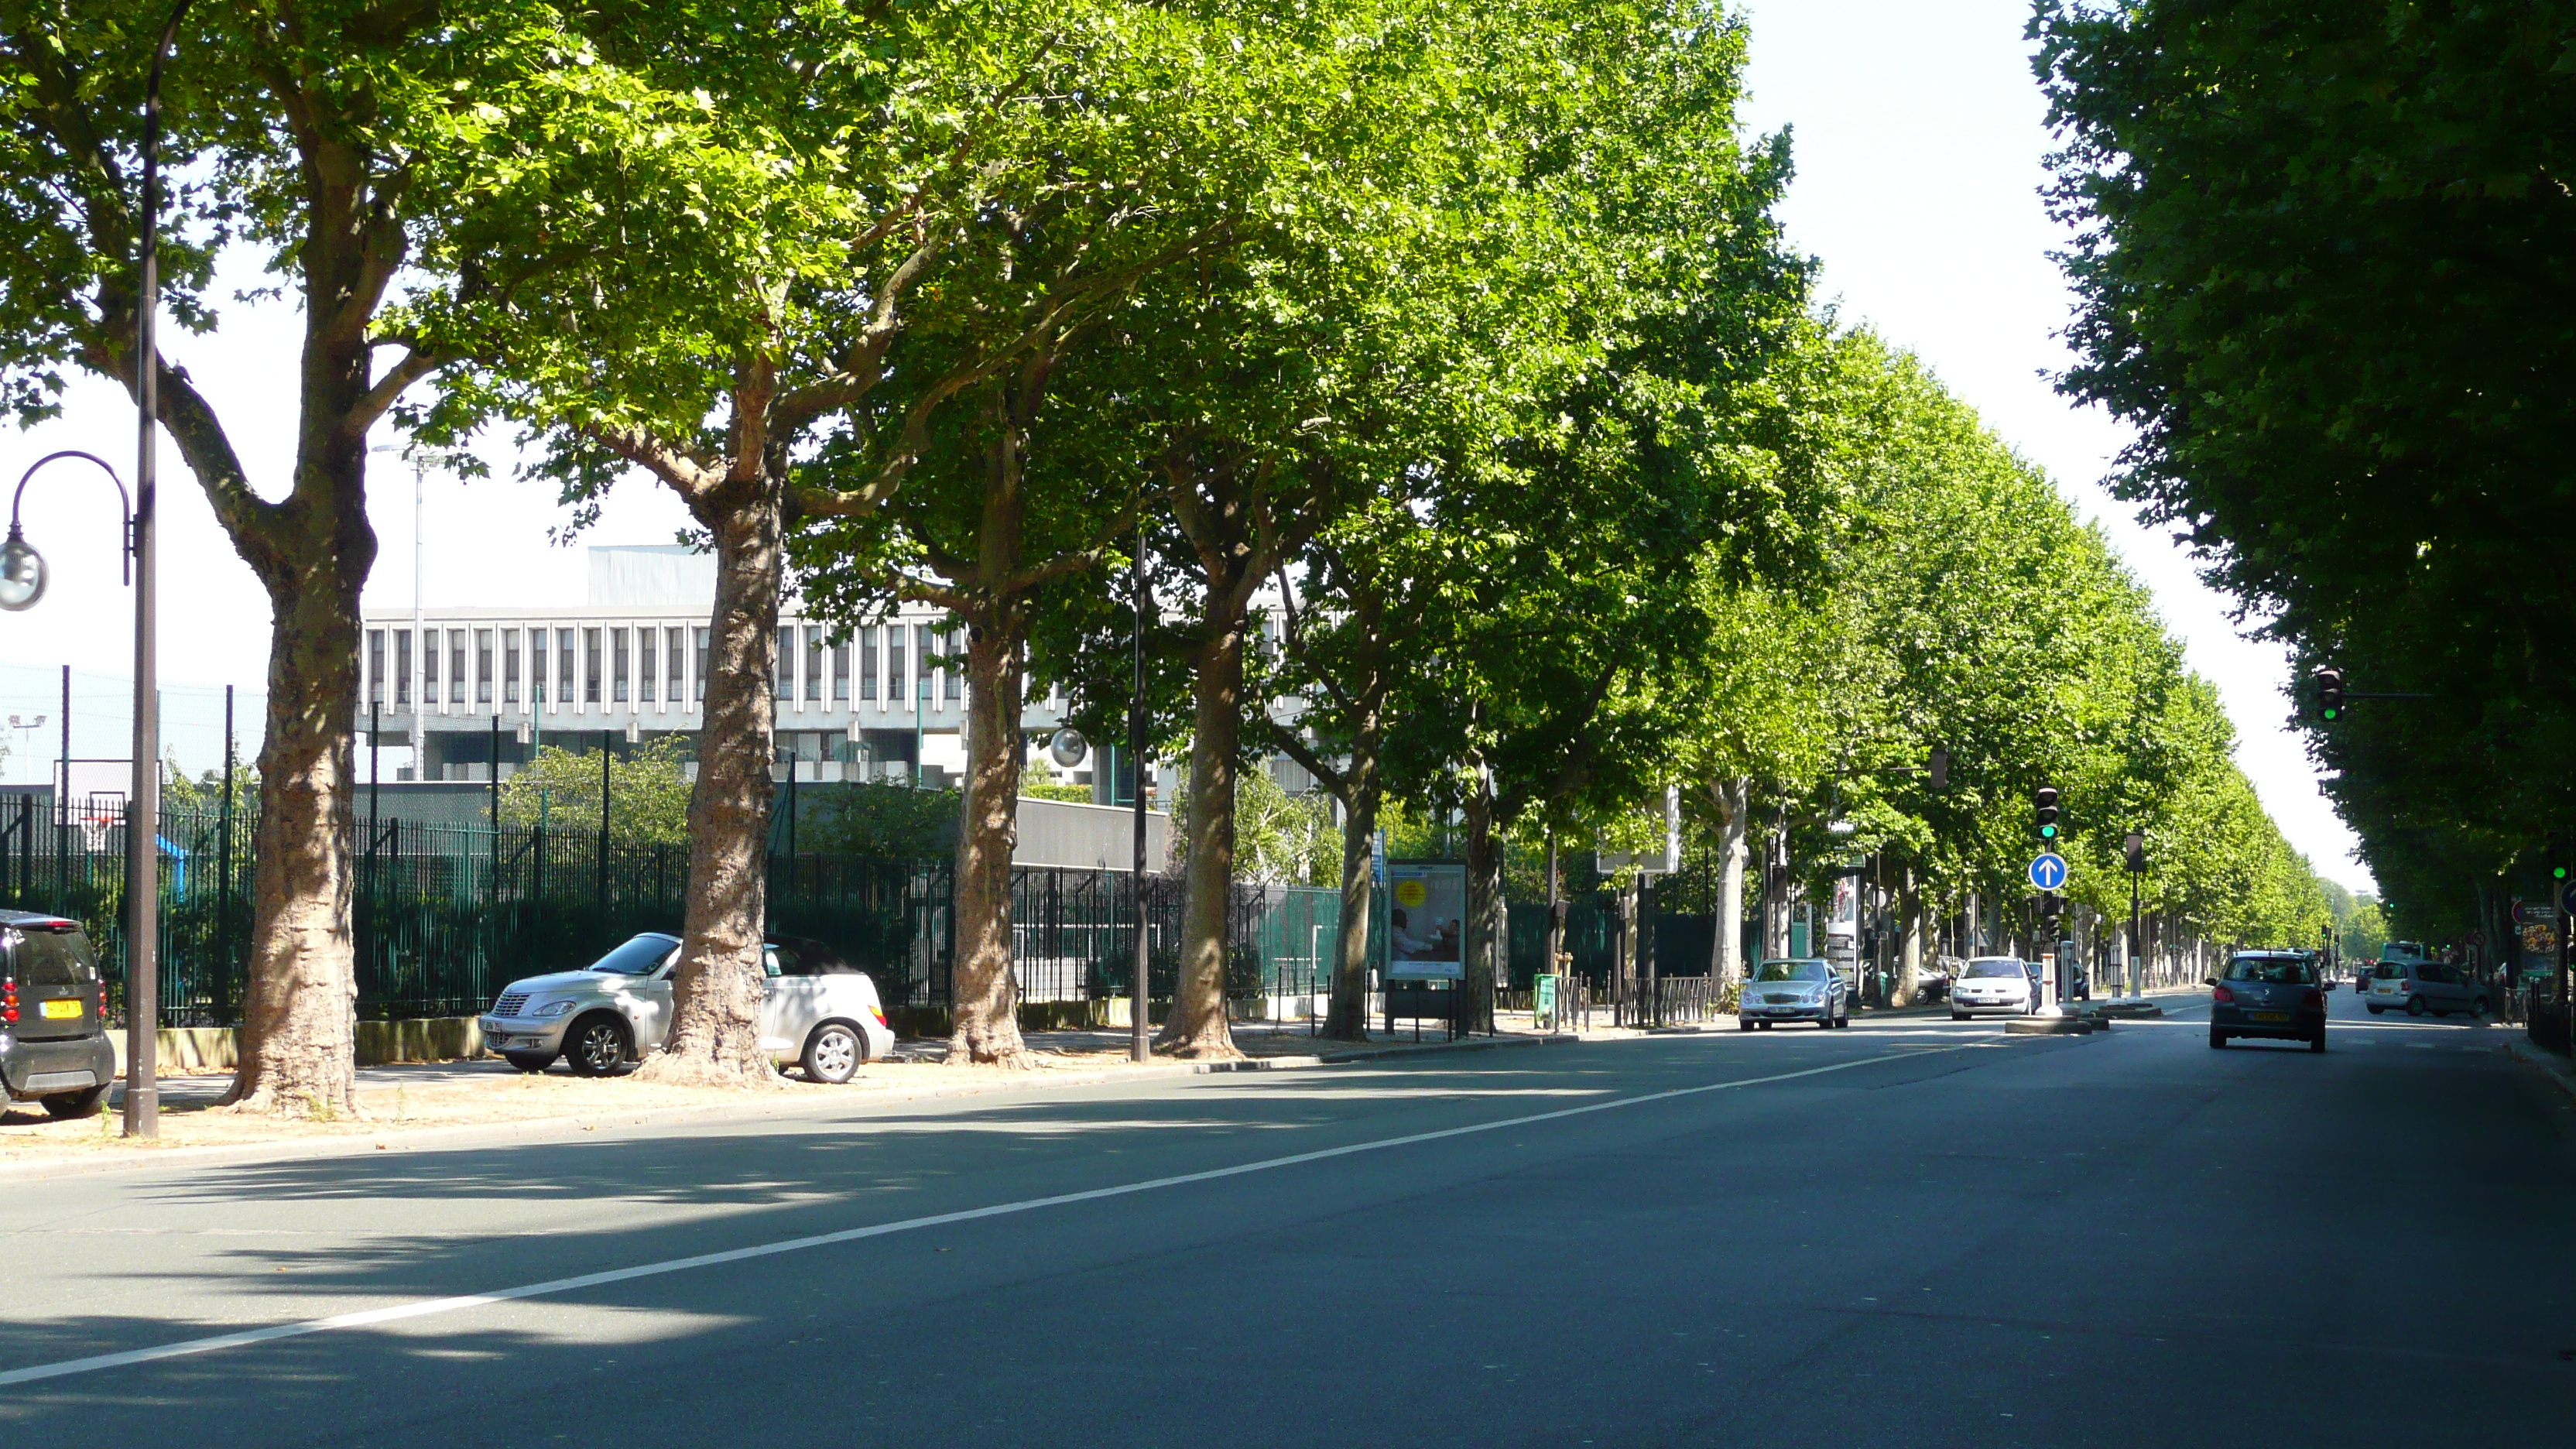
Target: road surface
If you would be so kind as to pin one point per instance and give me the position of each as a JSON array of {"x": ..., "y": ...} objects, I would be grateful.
[{"x": 1909, "y": 1233}]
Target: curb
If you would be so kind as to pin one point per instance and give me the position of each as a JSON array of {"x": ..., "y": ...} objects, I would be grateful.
[
  {"x": 2549, "y": 1064},
  {"x": 1378, "y": 1054}
]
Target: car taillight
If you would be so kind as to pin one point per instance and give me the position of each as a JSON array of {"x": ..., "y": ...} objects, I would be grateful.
[
  {"x": 8, "y": 999},
  {"x": 2220, "y": 995}
]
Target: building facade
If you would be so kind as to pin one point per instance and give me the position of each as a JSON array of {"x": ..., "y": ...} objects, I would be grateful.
[{"x": 486, "y": 687}]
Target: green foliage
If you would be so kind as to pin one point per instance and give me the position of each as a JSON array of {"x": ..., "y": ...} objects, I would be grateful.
[
  {"x": 886, "y": 822},
  {"x": 648, "y": 793},
  {"x": 1279, "y": 838},
  {"x": 2323, "y": 260}
]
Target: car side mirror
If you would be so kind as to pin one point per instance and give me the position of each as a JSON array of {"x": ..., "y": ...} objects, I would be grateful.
[{"x": 2209, "y": 981}]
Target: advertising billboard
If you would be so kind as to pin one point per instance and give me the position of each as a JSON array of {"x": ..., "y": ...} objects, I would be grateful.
[{"x": 1426, "y": 918}]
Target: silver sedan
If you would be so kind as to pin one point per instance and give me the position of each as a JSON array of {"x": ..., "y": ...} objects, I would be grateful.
[{"x": 1795, "y": 990}]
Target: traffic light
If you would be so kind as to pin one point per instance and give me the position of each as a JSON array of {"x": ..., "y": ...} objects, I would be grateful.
[
  {"x": 1938, "y": 767},
  {"x": 2135, "y": 847},
  {"x": 2043, "y": 811},
  {"x": 2049, "y": 906},
  {"x": 2329, "y": 693}
]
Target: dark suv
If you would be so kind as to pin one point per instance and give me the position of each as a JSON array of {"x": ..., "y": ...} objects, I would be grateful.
[{"x": 53, "y": 1015}]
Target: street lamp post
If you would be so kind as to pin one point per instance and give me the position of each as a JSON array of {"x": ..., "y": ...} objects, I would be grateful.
[{"x": 22, "y": 583}]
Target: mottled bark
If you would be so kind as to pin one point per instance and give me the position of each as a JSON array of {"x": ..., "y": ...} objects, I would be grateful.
[
  {"x": 300, "y": 1011},
  {"x": 1726, "y": 948},
  {"x": 1486, "y": 935},
  {"x": 985, "y": 991},
  {"x": 1198, "y": 1026},
  {"x": 716, "y": 989},
  {"x": 1347, "y": 1017}
]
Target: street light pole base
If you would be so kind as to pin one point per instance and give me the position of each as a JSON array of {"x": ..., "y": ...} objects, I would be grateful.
[{"x": 143, "y": 1112}]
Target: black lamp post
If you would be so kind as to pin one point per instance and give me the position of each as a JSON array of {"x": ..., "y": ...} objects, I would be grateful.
[{"x": 22, "y": 583}]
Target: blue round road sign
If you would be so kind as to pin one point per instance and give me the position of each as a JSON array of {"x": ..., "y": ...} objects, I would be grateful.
[{"x": 2048, "y": 870}]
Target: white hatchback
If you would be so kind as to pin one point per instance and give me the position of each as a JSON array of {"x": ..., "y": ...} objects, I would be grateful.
[
  {"x": 1992, "y": 984},
  {"x": 816, "y": 1010}
]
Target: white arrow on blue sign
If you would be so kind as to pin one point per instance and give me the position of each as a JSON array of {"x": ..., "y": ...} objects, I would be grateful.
[{"x": 2048, "y": 871}]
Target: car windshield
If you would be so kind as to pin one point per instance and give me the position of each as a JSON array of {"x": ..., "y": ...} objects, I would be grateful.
[
  {"x": 638, "y": 957},
  {"x": 2272, "y": 970},
  {"x": 1792, "y": 971},
  {"x": 52, "y": 958},
  {"x": 1999, "y": 967}
]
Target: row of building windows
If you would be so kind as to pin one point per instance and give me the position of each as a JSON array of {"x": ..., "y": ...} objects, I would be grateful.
[{"x": 644, "y": 664}]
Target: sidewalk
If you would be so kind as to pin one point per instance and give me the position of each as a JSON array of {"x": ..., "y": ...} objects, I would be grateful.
[{"x": 489, "y": 1102}]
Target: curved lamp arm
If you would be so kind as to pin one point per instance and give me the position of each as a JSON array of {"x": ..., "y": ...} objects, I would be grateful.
[{"x": 124, "y": 500}]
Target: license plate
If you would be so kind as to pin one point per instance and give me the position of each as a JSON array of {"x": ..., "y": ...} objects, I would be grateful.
[
  {"x": 2270, "y": 1015},
  {"x": 62, "y": 1010}
]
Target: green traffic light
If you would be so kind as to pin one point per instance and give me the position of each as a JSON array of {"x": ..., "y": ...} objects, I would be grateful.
[
  {"x": 2049, "y": 832},
  {"x": 2330, "y": 712},
  {"x": 2558, "y": 872}
]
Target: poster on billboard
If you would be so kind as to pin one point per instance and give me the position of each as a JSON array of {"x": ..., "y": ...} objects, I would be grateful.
[{"x": 1426, "y": 915}]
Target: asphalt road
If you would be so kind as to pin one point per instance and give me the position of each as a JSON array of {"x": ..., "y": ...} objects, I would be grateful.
[{"x": 1905, "y": 1234}]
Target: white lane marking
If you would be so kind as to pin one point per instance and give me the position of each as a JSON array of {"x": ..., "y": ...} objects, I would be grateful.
[{"x": 425, "y": 1307}]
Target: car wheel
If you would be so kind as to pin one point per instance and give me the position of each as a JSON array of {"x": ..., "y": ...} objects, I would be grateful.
[
  {"x": 529, "y": 1061},
  {"x": 2217, "y": 1038},
  {"x": 596, "y": 1045},
  {"x": 1743, "y": 1024},
  {"x": 2376, "y": 1009},
  {"x": 2317, "y": 1043},
  {"x": 75, "y": 1104},
  {"x": 2478, "y": 1008},
  {"x": 1958, "y": 1016},
  {"x": 1766, "y": 1026},
  {"x": 833, "y": 1053},
  {"x": 2415, "y": 1006}
]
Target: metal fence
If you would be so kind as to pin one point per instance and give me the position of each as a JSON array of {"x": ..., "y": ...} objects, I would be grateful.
[{"x": 443, "y": 916}]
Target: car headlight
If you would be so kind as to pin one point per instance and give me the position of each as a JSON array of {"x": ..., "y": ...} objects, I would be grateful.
[{"x": 553, "y": 1009}]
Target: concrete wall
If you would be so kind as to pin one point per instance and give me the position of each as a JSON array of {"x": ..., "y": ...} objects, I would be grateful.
[
  {"x": 217, "y": 1048},
  {"x": 1089, "y": 837}
]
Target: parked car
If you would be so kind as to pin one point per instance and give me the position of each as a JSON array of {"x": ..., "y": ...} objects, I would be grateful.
[
  {"x": 2422, "y": 988},
  {"x": 1794, "y": 990},
  {"x": 1989, "y": 985},
  {"x": 816, "y": 1010},
  {"x": 2268, "y": 994},
  {"x": 1932, "y": 979},
  {"x": 53, "y": 1016}
]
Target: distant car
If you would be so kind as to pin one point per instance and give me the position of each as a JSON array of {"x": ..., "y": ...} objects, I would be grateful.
[
  {"x": 816, "y": 1010},
  {"x": 2268, "y": 994},
  {"x": 2422, "y": 988},
  {"x": 1794, "y": 990},
  {"x": 53, "y": 1015},
  {"x": 1994, "y": 985}
]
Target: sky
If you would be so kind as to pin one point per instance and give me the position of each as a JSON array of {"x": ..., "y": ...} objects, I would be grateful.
[{"x": 1918, "y": 135}]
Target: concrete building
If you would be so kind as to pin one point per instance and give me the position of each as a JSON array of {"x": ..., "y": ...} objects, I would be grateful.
[{"x": 487, "y": 686}]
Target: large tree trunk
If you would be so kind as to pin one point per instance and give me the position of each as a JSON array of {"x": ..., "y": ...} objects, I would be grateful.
[
  {"x": 299, "y": 1019},
  {"x": 716, "y": 991},
  {"x": 1346, "y": 1018},
  {"x": 1726, "y": 950},
  {"x": 983, "y": 988},
  {"x": 1486, "y": 931},
  {"x": 1198, "y": 1026}
]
